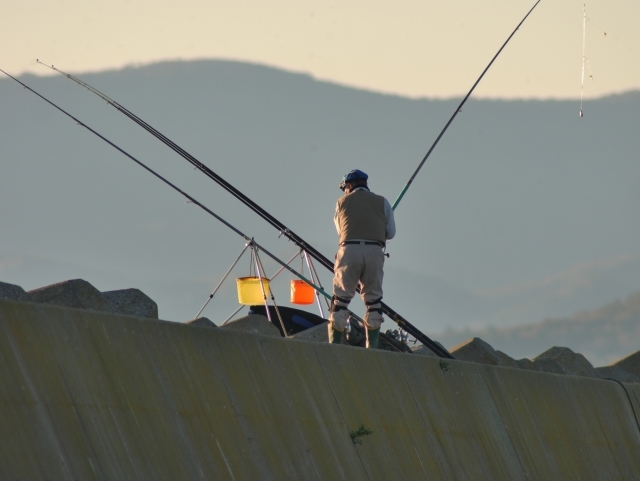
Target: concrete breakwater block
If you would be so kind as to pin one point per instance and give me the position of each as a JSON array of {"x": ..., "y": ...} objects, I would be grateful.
[
  {"x": 319, "y": 333},
  {"x": 526, "y": 364},
  {"x": 132, "y": 302},
  {"x": 254, "y": 324},
  {"x": 76, "y": 293},
  {"x": 617, "y": 373},
  {"x": 423, "y": 350},
  {"x": 626, "y": 369},
  {"x": 631, "y": 363},
  {"x": 80, "y": 294},
  {"x": 88, "y": 395},
  {"x": 12, "y": 292},
  {"x": 202, "y": 322},
  {"x": 479, "y": 351},
  {"x": 562, "y": 360},
  {"x": 475, "y": 350}
]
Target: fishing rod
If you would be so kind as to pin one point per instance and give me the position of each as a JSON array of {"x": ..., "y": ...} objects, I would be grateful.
[
  {"x": 251, "y": 240},
  {"x": 283, "y": 229},
  {"x": 457, "y": 111}
]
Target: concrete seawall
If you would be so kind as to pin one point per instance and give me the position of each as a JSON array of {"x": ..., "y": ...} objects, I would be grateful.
[{"x": 88, "y": 395}]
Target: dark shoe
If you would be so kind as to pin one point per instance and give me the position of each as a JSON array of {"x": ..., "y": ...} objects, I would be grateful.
[
  {"x": 374, "y": 338},
  {"x": 335, "y": 336}
]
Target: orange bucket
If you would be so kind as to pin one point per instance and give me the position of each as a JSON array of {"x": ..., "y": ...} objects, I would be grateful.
[{"x": 301, "y": 292}]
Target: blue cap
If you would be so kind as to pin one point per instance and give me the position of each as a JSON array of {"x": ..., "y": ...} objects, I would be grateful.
[{"x": 353, "y": 177}]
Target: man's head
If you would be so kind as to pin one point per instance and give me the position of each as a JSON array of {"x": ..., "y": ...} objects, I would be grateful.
[{"x": 355, "y": 178}]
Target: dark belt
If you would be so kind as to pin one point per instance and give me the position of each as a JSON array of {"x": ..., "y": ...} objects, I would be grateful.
[{"x": 368, "y": 243}]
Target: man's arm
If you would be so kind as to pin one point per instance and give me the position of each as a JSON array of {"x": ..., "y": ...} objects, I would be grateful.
[{"x": 391, "y": 222}]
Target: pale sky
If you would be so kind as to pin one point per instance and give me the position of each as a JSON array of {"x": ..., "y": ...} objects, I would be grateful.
[{"x": 428, "y": 48}]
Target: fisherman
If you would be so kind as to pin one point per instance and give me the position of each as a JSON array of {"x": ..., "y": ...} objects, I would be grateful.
[{"x": 364, "y": 222}]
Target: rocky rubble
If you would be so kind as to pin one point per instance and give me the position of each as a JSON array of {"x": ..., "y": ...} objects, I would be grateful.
[
  {"x": 80, "y": 294},
  {"x": 556, "y": 360},
  {"x": 202, "y": 321},
  {"x": 562, "y": 360},
  {"x": 132, "y": 302},
  {"x": 319, "y": 333},
  {"x": 13, "y": 292},
  {"x": 625, "y": 370},
  {"x": 425, "y": 351},
  {"x": 254, "y": 324},
  {"x": 477, "y": 350}
]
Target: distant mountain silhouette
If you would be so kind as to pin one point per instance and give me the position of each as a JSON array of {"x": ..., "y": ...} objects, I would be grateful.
[
  {"x": 524, "y": 211},
  {"x": 602, "y": 335}
]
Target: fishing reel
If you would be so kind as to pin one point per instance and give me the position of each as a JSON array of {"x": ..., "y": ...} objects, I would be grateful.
[{"x": 399, "y": 335}]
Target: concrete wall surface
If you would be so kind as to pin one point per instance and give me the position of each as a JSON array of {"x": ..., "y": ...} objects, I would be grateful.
[{"x": 88, "y": 395}]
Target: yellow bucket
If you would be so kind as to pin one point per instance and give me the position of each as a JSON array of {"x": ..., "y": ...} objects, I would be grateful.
[
  {"x": 250, "y": 292},
  {"x": 301, "y": 292}
]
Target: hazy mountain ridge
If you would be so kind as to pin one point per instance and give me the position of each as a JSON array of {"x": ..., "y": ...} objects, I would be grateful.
[
  {"x": 602, "y": 335},
  {"x": 516, "y": 197},
  {"x": 232, "y": 68}
]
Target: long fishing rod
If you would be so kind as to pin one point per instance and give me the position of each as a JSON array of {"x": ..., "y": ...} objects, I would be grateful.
[
  {"x": 191, "y": 199},
  {"x": 457, "y": 111},
  {"x": 173, "y": 186},
  {"x": 284, "y": 230}
]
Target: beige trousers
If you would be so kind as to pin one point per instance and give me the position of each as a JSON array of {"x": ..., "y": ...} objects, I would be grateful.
[{"x": 358, "y": 263}]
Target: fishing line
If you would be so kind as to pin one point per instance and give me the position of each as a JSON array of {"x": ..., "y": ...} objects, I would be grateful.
[
  {"x": 585, "y": 59},
  {"x": 598, "y": 26},
  {"x": 457, "y": 111},
  {"x": 584, "y": 42}
]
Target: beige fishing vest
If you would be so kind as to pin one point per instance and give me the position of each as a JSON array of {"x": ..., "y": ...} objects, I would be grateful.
[{"x": 361, "y": 216}]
